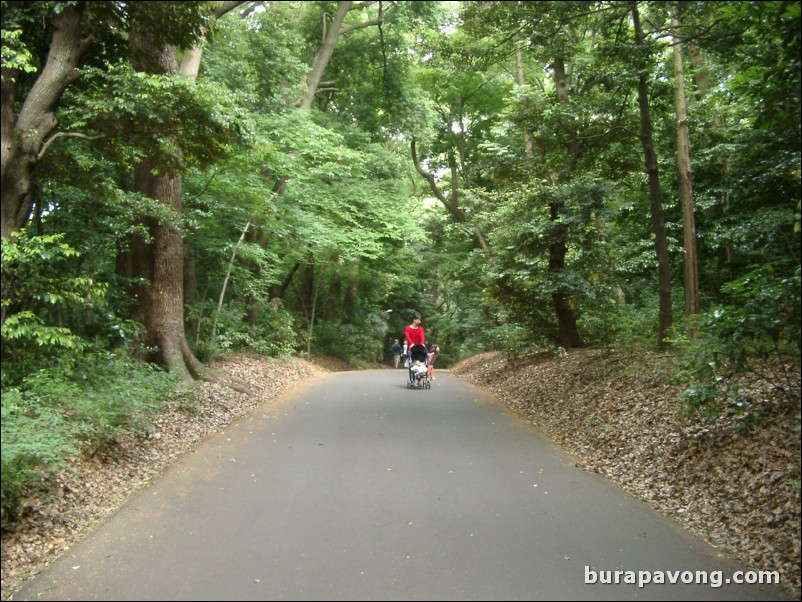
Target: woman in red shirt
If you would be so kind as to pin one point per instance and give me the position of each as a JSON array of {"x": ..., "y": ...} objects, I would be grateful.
[
  {"x": 414, "y": 332},
  {"x": 417, "y": 349}
]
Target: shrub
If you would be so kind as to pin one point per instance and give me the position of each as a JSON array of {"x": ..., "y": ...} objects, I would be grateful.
[
  {"x": 75, "y": 405},
  {"x": 35, "y": 441},
  {"x": 272, "y": 335},
  {"x": 361, "y": 342},
  {"x": 756, "y": 333}
]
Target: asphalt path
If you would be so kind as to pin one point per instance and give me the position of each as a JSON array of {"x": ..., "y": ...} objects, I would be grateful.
[{"x": 361, "y": 489}]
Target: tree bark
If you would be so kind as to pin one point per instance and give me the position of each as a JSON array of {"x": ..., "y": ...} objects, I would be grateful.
[
  {"x": 326, "y": 50},
  {"x": 24, "y": 137},
  {"x": 690, "y": 260},
  {"x": 665, "y": 319},
  {"x": 323, "y": 55},
  {"x": 566, "y": 318},
  {"x": 159, "y": 302},
  {"x": 160, "y": 263}
]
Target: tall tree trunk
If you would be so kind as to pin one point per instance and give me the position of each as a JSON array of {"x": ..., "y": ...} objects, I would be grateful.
[
  {"x": 655, "y": 196},
  {"x": 566, "y": 318},
  {"x": 25, "y": 134},
  {"x": 160, "y": 265},
  {"x": 160, "y": 302},
  {"x": 690, "y": 263}
]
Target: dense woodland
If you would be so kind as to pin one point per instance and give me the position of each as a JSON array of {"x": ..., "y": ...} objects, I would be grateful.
[{"x": 182, "y": 180}]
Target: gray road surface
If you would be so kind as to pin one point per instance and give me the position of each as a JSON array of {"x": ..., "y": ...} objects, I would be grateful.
[{"x": 359, "y": 489}]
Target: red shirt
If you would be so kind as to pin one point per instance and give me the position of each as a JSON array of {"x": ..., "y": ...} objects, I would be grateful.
[{"x": 415, "y": 336}]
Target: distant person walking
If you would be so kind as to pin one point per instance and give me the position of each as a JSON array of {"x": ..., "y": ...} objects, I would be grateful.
[{"x": 396, "y": 349}]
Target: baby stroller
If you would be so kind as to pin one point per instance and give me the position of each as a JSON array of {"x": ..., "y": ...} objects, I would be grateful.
[{"x": 418, "y": 368}]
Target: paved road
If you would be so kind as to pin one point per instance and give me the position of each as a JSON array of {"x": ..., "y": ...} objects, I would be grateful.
[{"x": 364, "y": 490}]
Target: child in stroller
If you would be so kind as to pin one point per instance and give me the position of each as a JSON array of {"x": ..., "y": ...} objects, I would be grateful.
[{"x": 418, "y": 368}]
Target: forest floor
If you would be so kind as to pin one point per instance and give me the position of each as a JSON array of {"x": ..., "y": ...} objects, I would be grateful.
[{"x": 616, "y": 412}]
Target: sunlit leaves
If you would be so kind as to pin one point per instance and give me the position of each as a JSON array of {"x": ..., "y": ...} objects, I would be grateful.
[
  {"x": 33, "y": 266},
  {"x": 159, "y": 115},
  {"x": 15, "y": 54}
]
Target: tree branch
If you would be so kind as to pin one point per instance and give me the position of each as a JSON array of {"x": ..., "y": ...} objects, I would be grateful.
[
  {"x": 379, "y": 20},
  {"x": 52, "y": 139},
  {"x": 426, "y": 175},
  {"x": 224, "y": 7},
  {"x": 353, "y": 26}
]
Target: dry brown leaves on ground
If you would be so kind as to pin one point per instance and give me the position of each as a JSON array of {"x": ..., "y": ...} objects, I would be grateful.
[{"x": 738, "y": 489}]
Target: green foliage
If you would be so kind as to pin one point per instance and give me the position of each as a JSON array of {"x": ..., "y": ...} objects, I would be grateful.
[
  {"x": 104, "y": 393},
  {"x": 764, "y": 54},
  {"x": 757, "y": 334},
  {"x": 25, "y": 258},
  {"x": 73, "y": 405},
  {"x": 35, "y": 441},
  {"x": 182, "y": 24},
  {"x": 259, "y": 58},
  {"x": 37, "y": 287},
  {"x": 14, "y": 53},
  {"x": 273, "y": 334},
  {"x": 512, "y": 339},
  {"x": 122, "y": 103},
  {"x": 354, "y": 343},
  {"x": 26, "y": 327}
]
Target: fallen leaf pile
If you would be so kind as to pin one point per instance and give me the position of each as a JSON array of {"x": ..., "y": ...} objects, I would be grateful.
[{"x": 737, "y": 487}]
